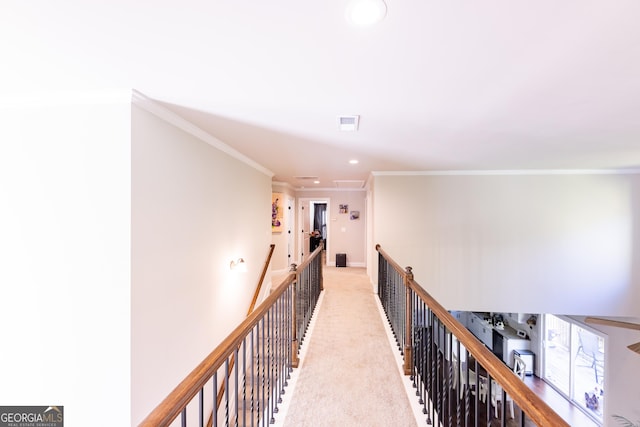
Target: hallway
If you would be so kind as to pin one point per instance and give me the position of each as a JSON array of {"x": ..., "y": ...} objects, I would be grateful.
[{"x": 349, "y": 374}]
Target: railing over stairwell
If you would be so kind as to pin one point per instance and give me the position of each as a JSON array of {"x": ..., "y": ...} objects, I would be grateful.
[
  {"x": 458, "y": 381},
  {"x": 308, "y": 288},
  {"x": 265, "y": 349}
]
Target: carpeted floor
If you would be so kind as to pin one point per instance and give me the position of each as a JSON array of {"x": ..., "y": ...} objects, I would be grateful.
[{"x": 349, "y": 376}]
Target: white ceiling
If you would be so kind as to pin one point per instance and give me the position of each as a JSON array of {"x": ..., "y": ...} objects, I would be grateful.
[{"x": 438, "y": 85}]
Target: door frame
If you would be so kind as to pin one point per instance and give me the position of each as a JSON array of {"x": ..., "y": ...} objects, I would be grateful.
[{"x": 304, "y": 251}]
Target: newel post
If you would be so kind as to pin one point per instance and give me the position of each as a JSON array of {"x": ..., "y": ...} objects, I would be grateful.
[
  {"x": 408, "y": 349},
  {"x": 295, "y": 361}
]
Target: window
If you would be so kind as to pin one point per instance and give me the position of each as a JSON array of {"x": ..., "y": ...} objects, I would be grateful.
[{"x": 574, "y": 363}]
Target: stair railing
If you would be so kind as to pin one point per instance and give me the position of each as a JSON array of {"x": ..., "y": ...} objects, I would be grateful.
[
  {"x": 458, "y": 381},
  {"x": 252, "y": 305},
  {"x": 265, "y": 349}
]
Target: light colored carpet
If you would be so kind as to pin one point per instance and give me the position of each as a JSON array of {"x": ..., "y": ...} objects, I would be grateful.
[{"x": 349, "y": 375}]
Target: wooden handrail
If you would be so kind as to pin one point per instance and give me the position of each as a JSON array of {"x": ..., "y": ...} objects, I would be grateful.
[
  {"x": 535, "y": 408},
  {"x": 261, "y": 280},
  {"x": 307, "y": 261},
  {"x": 173, "y": 404},
  {"x": 391, "y": 261},
  {"x": 232, "y": 362},
  {"x": 614, "y": 323}
]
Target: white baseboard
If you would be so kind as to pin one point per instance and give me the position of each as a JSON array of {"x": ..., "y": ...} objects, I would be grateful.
[{"x": 349, "y": 264}]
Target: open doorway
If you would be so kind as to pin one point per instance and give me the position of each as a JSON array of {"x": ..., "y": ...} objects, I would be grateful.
[
  {"x": 319, "y": 228},
  {"x": 306, "y": 218}
]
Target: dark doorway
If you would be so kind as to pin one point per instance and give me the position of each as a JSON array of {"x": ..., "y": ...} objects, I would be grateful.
[{"x": 319, "y": 224}]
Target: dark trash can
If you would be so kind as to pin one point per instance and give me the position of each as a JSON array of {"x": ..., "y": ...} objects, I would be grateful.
[{"x": 341, "y": 260}]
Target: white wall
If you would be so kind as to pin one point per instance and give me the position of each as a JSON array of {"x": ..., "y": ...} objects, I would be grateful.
[
  {"x": 565, "y": 244},
  {"x": 194, "y": 209},
  {"x": 64, "y": 255}
]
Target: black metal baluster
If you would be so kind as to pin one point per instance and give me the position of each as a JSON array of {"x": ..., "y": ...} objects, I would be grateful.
[
  {"x": 425, "y": 371},
  {"x": 235, "y": 390},
  {"x": 214, "y": 411},
  {"x": 467, "y": 403},
  {"x": 226, "y": 392},
  {"x": 277, "y": 384},
  {"x": 488, "y": 398},
  {"x": 477, "y": 393},
  {"x": 244, "y": 381},
  {"x": 268, "y": 366},
  {"x": 438, "y": 372},
  {"x": 431, "y": 363},
  {"x": 289, "y": 328},
  {"x": 458, "y": 384},
  {"x": 263, "y": 376},
  {"x": 201, "y": 408},
  {"x": 449, "y": 377},
  {"x": 253, "y": 376},
  {"x": 258, "y": 375}
]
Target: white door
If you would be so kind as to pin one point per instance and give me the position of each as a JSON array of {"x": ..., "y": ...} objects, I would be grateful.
[
  {"x": 304, "y": 229},
  {"x": 291, "y": 242}
]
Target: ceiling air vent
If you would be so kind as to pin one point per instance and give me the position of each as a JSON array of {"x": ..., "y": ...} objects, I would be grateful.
[{"x": 348, "y": 123}]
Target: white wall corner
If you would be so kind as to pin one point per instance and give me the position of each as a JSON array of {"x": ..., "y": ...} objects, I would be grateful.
[{"x": 169, "y": 116}]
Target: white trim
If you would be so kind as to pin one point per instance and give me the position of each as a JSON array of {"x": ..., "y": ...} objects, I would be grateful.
[
  {"x": 282, "y": 184},
  {"x": 66, "y": 97},
  {"x": 510, "y": 172},
  {"x": 302, "y": 190},
  {"x": 169, "y": 116},
  {"x": 349, "y": 264}
]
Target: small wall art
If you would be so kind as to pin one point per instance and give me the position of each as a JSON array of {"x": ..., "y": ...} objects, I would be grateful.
[
  {"x": 344, "y": 209},
  {"x": 276, "y": 213},
  {"x": 354, "y": 215}
]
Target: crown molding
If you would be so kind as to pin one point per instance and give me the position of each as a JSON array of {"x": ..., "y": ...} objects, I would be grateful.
[
  {"x": 171, "y": 117},
  {"x": 326, "y": 189},
  {"x": 56, "y": 98},
  {"x": 510, "y": 172},
  {"x": 282, "y": 184}
]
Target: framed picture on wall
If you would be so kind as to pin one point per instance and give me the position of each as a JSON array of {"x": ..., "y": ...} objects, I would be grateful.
[
  {"x": 354, "y": 215},
  {"x": 277, "y": 223},
  {"x": 344, "y": 209}
]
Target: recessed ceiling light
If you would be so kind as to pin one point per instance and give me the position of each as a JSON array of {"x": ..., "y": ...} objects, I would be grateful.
[
  {"x": 363, "y": 13},
  {"x": 353, "y": 161},
  {"x": 316, "y": 182}
]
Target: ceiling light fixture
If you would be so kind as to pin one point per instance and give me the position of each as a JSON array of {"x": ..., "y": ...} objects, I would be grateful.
[
  {"x": 363, "y": 13},
  {"x": 353, "y": 161}
]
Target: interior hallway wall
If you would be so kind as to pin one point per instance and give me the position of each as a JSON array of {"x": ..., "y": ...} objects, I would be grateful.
[
  {"x": 555, "y": 243},
  {"x": 535, "y": 243},
  {"x": 195, "y": 209},
  {"x": 65, "y": 254}
]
